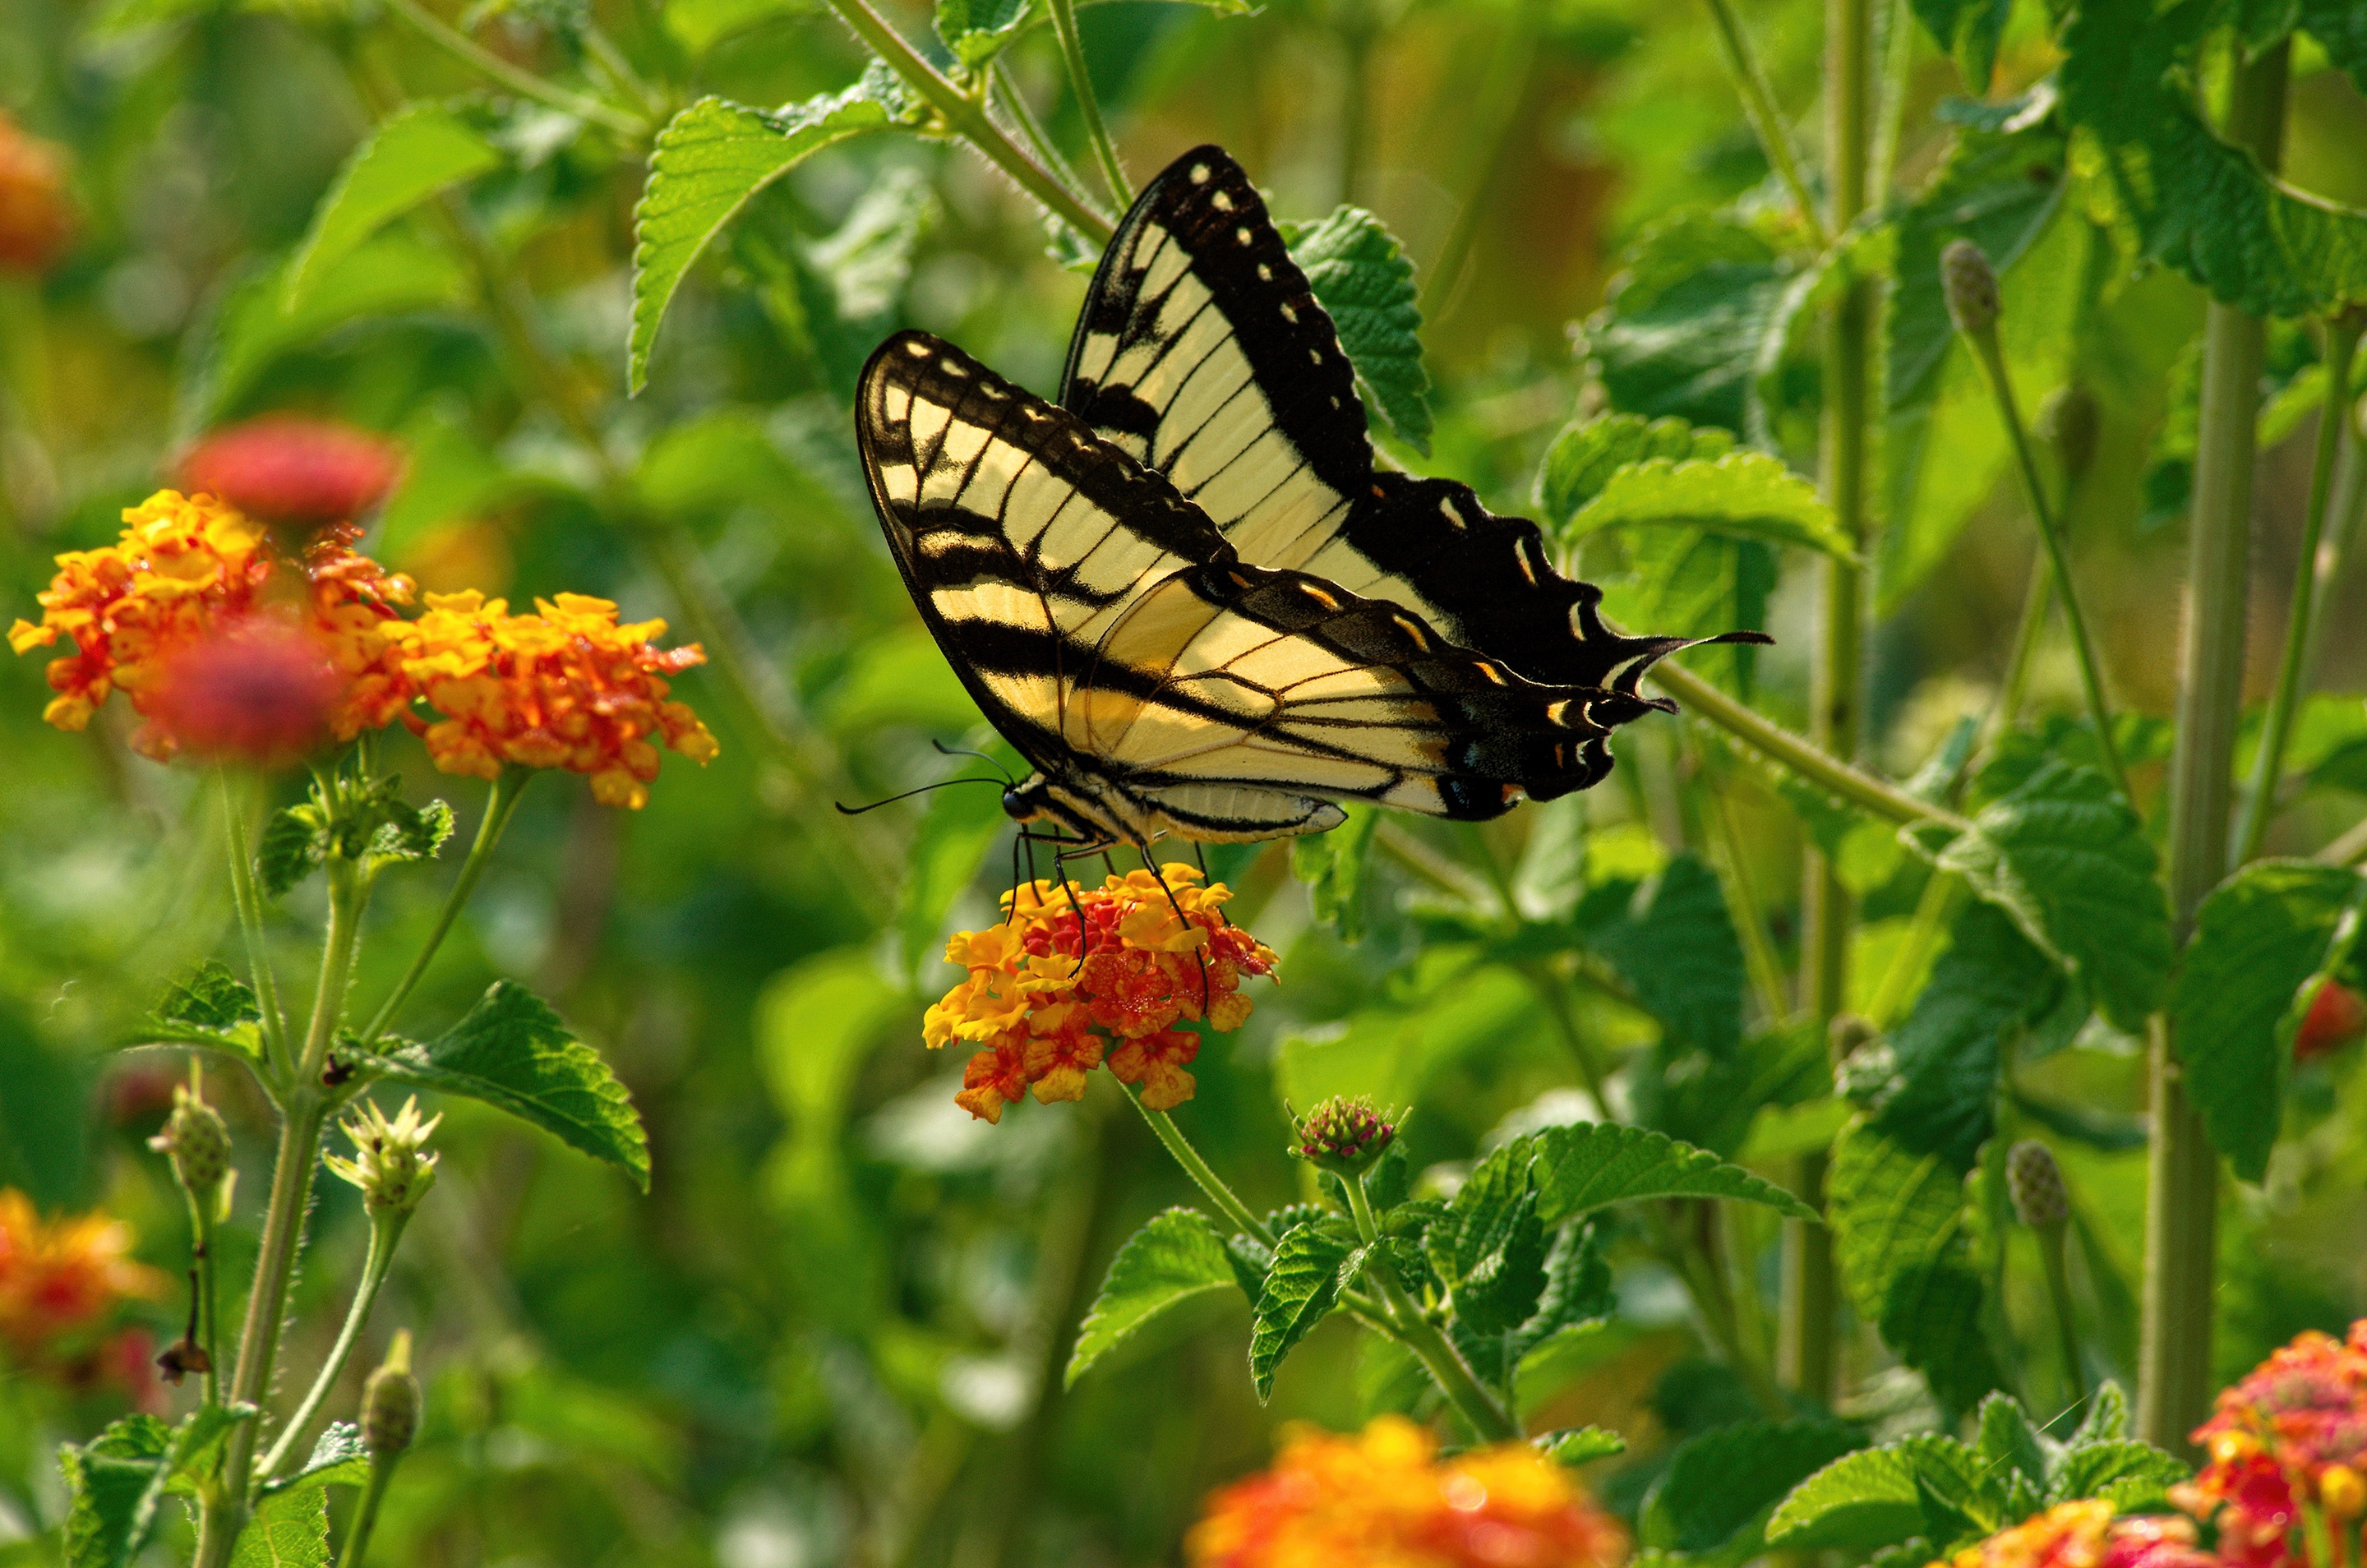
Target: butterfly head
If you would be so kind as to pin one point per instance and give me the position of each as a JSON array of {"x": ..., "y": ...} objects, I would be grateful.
[{"x": 1028, "y": 800}]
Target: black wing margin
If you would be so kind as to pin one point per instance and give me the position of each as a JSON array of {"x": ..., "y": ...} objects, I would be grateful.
[{"x": 1202, "y": 351}]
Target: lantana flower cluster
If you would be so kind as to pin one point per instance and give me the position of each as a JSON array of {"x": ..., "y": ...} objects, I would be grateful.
[
  {"x": 2084, "y": 1534},
  {"x": 62, "y": 1279},
  {"x": 1386, "y": 1498},
  {"x": 230, "y": 640},
  {"x": 2286, "y": 1480},
  {"x": 1078, "y": 976}
]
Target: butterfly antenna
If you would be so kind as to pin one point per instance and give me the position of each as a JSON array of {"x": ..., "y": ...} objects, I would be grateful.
[
  {"x": 846, "y": 810},
  {"x": 1180, "y": 918},
  {"x": 946, "y": 751}
]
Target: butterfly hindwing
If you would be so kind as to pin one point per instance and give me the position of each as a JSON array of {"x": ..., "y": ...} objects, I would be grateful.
[
  {"x": 1202, "y": 351},
  {"x": 1115, "y": 638}
]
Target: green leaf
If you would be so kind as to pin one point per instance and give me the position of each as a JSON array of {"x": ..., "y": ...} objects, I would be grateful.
[
  {"x": 211, "y": 1008},
  {"x": 1680, "y": 332},
  {"x": 1677, "y": 951},
  {"x": 2340, "y": 26},
  {"x": 1309, "y": 1266},
  {"x": 116, "y": 1480},
  {"x": 2107, "y": 1419},
  {"x": 289, "y": 1529},
  {"x": 978, "y": 30},
  {"x": 1743, "y": 495},
  {"x": 1874, "y": 1497},
  {"x": 2135, "y": 1477},
  {"x": 405, "y": 832},
  {"x": 1575, "y": 1446},
  {"x": 512, "y": 1052},
  {"x": 1900, "y": 1239},
  {"x": 1578, "y": 1289},
  {"x": 2005, "y": 1441},
  {"x": 294, "y": 844},
  {"x": 1488, "y": 1248},
  {"x": 1589, "y": 454},
  {"x": 2070, "y": 862},
  {"x": 1985, "y": 989},
  {"x": 337, "y": 1459},
  {"x": 2258, "y": 938},
  {"x": 709, "y": 160},
  {"x": 1332, "y": 866},
  {"x": 1692, "y": 582},
  {"x": 422, "y": 150},
  {"x": 1967, "y": 32},
  {"x": 1714, "y": 1498},
  {"x": 2195, "y": 202},
  {"x": 1585, "y": 1166},
  {"x": 1175, "y": 1258},
  {"x": 1359, "y": 273}
]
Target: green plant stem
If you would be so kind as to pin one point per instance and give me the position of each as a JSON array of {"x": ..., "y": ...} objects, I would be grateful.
[
  {"x": 1487, "y": 1415},
  {"x": 603, "y": 49},
  {"x": 525, "y": 83},
  {"x": 204, "y": 1214},
  {"x": 501, "y": 801},
  {"x": 1987, "y": 349},
  {"x": 1767, "y": 122},
  {"x": 2015, "y": 687},
  {"x": 386, "y": 1230},
  {"x": 249, "y": 901},
  {"x": 1201, "y": 1171},
  {"x": 1695, "y": 1256},
  {"x": 1089, "y": 104},
  {"x": 1811, "y": 762},
  {"x": 2347, "y": 512},
  {"x": 1898, "y": 77},
  {"x": 1494, "y": 110},
  {"x": 1759, "y": 960},
  {"x": 2292, "y": 673},
  {"x": 358, "y": 1534},
  {"x": 1014, "y": 104},
  {"x": 2183, "y": 1174},
  {"x": 1549, "y": 989},
  {"x": 302, "y": 1115},
  {"x": 966, "y": 118},
  {"x": 1355, "y": 27},
  {"x": 2058, "y": 1297},
  {"x": 1944, "y": 894}
]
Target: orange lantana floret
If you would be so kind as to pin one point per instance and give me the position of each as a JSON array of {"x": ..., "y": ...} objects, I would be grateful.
[
  {"x": 1385, "y": 1497},
  {"x": 62, "y": 1276},
  {"x": 188, "y": 571},
  {"x": 2086, "y": 1534},
  {"x": 566, "y": 687},
  {"x": 1073, "y": 971},
  {"x": 2288, "y": 1447},
  {"x": 35, "y": 220}
]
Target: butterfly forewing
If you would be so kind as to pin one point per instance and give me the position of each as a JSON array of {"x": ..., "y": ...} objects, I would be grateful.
[{"x": 1203, "y": 351}]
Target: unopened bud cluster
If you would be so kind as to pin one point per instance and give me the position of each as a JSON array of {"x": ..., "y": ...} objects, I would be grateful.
[
  {"x": 1971, "y": 287},
  {"x": 1344, "y": 1134},
  {"x": 197, "y": 1142},
  {"x": 391, "y": 1164},
  {"x": 2034, "y": 1184},
  {"x": 390, "y": 1402}
]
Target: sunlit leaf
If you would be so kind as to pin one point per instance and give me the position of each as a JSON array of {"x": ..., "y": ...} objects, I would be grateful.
[
  {"x": 1680, "y": 333},
  {"x": 1742, "y": 495},
  {"x": 1586, "y": 1166},
  {"x": 1310, "y": 1265},
  {"x": 1712, "y": 1500},
  {"x": 1878, "y": 1497},
  {"x": 422, "y": 150},
  {"x": 288, "y": 1529},
  {"x": 1360, "y": 274},
  {"x": 1675, "y": 948},
  {"x": 1175, "y": 1258}
]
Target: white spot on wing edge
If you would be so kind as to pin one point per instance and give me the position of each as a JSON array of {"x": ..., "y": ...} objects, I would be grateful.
[
  {"x": 1222, "y": 201},
  {"x": 916, "y": 348},
  {"x": 1199, "y": 174}
]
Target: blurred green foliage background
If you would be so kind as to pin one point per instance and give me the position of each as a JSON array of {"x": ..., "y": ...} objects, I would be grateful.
[{"x": 833, "y": 1331}]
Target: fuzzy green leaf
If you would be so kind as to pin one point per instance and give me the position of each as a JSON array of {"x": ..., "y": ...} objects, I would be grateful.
[
  {"x": 1719, "y": 1487},
  {"x": 1875, "y": 1497},
  {"x": 1302, "y": 1287},
  {"x": 2070, "y": 862},
  {"x": 1488, "y": 1248},
  {"x": 1332, "y": 866},
  {"x": 2135, "y": 1477},
  {"x": 213, "y": 1008},
  {"x": 2258, "y": 938},
  {"x": 1690, "y": 583},
  {"x": 1988, "y": 985},
  {"x": 1900, "y": 1238},
  {"x": 1742, "y": 495},
  {"x": 116, "y": 1481},
  {"x": 294, "y": 844},
  {"x": 423, "y": 149},
  {"x": 406, "y": 832},
  {"x": 1587, "y": 455},
  {"x": 512, "y": 1052},
  {"x": 1359, "y": 273},
  {"x": 337, "y": 1459},
  {"x": 1680, "y": 332},
  {"x": 1676, "y": 950},
  {"x": 289, "y": 1529},
  {"x": 2195, "y": 202},
  {"x": 1578, "y": 1445},
  {"x": 709, "y": 161},
  {"x": 1586, "y": 1166},
  {"x": 1175, "y": 1258},
  {"x": 978, "y": 30},
  {"x": 1967, "y": 32}
]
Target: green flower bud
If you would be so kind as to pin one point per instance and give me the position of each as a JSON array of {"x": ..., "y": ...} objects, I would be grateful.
[
  {"x": 2071, "y": 421},
  {"x": 2034, "y": 1184},
  {"x": 1344, "y": 1135},
  {"x": 389, "y": 1164},
  {"x": 390, "y": 1402},
  {"x": 1971, "y": 287},
  {"x": 198, "y": 1143}
]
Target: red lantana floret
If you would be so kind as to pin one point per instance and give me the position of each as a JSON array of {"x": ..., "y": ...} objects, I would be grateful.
[
  {"x": 293, "y": 471},
  {"x": 2286, "y": 1483}
]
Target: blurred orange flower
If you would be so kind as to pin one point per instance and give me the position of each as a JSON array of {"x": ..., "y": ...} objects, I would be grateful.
[
  {"x": 292, "y": 471},
  {"x": 188, "y": 571},
  {"x": 2288, "y": 1447},
  {"x": 1384, "y": 1499},
  {"x": 35, "y": 220},
  {"x": 1044, "y": 1018},
  {"x": 566, "y": 687},
  {"x": 2086, "y": 1535},
  {"x": 62, "y": 1276}
]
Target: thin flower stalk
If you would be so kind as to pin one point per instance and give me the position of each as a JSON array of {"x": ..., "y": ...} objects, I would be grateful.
[
  {"x": 1089, "y": 104},
  {"x": 1767, "y": 122},
  {"x": 501, "y": 804},
  {"x": 248, "y": 900},
  {"x": 525, "y": 83},
  {"x": 386, "y": 1230}
]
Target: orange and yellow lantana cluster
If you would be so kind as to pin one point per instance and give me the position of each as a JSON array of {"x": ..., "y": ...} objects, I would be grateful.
[
  {"x": 2086, "y": 1535},
  {"x": 58, "y": 1278},
  {"x": 1153, "y": 955},
  {"x": 2287, "y": 1477},
  {"x": 191, "y": 584},
  {"x": 1384, "y": 1499}
]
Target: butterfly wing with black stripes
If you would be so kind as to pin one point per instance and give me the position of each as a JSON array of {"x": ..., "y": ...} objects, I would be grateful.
[
  {"x": 1202, "y": 351},
  {"x": 1156, "y": 683}
]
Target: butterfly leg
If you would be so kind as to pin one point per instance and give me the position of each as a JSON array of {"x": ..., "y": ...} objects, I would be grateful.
[
  {"x": 1200, "y": 853},
  {"x": 1151, "y": 867},
  {"x": 1064, "y": 851}
]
